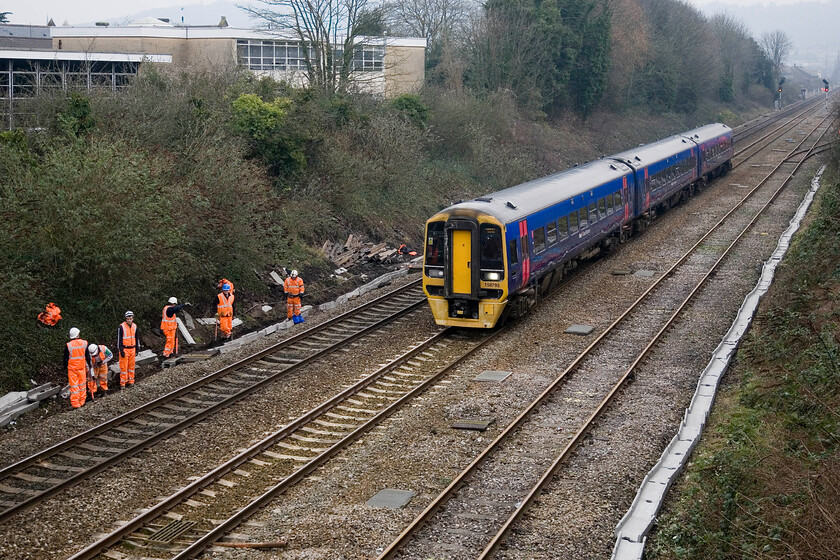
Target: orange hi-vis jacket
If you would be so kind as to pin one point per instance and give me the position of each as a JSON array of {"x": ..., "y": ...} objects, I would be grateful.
[
  {"x": 77, "y": 363},
  {"x": 225, "y": 305},
  {"x": 51, "y": 316},
  {"x": 129, "y": 336},
  {"x": 168, "y": 324},
  {"x": 293, "y": 286}
]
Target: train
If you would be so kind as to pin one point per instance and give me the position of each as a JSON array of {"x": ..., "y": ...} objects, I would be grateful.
[{"x": 490, "y": 259}]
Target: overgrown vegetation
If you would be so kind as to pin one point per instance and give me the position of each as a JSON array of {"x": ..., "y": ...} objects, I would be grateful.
[
  {"x": 115, "y": 202},
  {"x": 765, "y": 482}
]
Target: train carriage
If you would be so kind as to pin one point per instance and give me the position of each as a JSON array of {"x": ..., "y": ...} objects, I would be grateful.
[
  {"x": 664, "y": 173},
  {"x": 715, "y": 149},
  {"x": 522, "y": 239},
  {"x": 495, "y": 255}
]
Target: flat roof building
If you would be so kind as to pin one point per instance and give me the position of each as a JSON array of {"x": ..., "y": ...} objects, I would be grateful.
[{"x": 387, "y": 66}]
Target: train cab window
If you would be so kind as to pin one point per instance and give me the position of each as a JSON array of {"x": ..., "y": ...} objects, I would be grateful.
[
  {"x": 602, "y": 207},
  {"x": 434, "y": 244},
  {"x": 583, "y": 218},
  {"x": 573, "y": 222},
  {"x": 618, "y": 204},
  {"x": 539, "y": 240},
  {"x": 490, "y": 248},
  {"x": 513, "y": 253},
  {"x": 551, "y": 233},
  {"x": 593, "y": 212},
  {"x": 609, "y": 204},
  {"x": 563, "y": 227}
]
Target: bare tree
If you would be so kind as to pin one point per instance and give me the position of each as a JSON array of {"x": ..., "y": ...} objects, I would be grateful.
[
  {"x": 431, "y": 19},
  {"x": 4, "y": 17},
  {"x": 776, "y": 45},
  {"x": 327, "y": 31}
]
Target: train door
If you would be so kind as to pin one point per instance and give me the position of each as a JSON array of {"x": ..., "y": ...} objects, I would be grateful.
[
  {"x": 643, "y": 196},
  {"x": 461, "y": 261},
  {"x": 526, "y": 260},
  {"x": 461, "y": 280}
]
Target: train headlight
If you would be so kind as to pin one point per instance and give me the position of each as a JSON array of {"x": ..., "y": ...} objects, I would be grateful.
[
  {"x": 492, "y": 276},
  {"x": 434, "y": 272}
]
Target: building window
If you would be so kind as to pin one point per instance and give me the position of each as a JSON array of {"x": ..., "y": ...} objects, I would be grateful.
[
  {"x": 258, "y": 54},
  {"x": 368, "y": 58}
]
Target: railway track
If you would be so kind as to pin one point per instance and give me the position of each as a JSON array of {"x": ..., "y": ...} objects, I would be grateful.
[
  {"x": 187, "y": 542},
  {"x": 180, "y": 526},
  {"x": 46, "y": 473},
  {"x": 473, "y": 515}
]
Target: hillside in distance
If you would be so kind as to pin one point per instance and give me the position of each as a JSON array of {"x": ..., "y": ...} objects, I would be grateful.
[{"x": 811, "y": 26}]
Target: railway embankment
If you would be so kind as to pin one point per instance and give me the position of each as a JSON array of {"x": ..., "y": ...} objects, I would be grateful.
[{"x": 765, "y": 479}]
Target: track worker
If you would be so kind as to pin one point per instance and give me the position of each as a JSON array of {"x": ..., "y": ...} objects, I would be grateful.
[
  {"x": 224, "y": 281},
  {"x": 224, "y": 311},
  {"x": 127, "y": 347},
  {"x": 99, "y": 358},
  {"x": 169, "y": 325},
  {"x": 77, "y": 362},
  {"x": 293, "y": 286}
]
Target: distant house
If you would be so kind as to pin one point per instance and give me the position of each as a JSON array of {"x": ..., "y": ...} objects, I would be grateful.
[
  {"x": 798, "y": 76},
  {"x": 386, "y": 66}
]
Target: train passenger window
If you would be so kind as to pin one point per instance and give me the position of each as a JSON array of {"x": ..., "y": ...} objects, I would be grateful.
[
  {"x": 609, "y": 203},
  {"x": 573, "y": 222},
  {"x": 563, "y": 227},
  {"x": 551, "y": 233},
  {"x": 618, "y": 204},
  {"x": 602, "y": 207},
  {"x": 539, "y": 240},
  {"x": 490, "y": 248},
  {"x": 593, "y": 212},
  {"x": 434, "y": 244},
  {"x": 513, "y": 253},
  {"x": 583, "y": 218}
]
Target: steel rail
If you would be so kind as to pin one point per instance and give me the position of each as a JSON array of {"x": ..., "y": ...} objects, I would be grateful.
[
  {"x": 393, "y": 549},
  {"x": 300, "y": 473},
  {"x": 33, "y": 460},
  {"x": 579, "y": 435}
]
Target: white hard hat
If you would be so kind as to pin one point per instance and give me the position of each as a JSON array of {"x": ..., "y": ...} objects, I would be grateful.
[
  {"x": 93, "y": 349},
  {"x": 173, "y": 300},
  {"x": 294, "y": 274},
  {"x": 74, "y": 333},
  {"x": 129, "y": 314}
]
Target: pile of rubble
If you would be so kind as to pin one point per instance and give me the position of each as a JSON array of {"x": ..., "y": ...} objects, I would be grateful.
[{"x": 355, "y": 250}]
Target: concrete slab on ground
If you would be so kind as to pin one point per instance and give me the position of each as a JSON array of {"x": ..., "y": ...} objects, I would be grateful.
[
  {"x": 488, "y": 375},
  {"x": 42, "y": 392},
  {"x": 184, "y": 332},
  {"x": 391, "y": 498},
  {"x": 581, "y": 330},
  {"x": 479, "y": 424}
]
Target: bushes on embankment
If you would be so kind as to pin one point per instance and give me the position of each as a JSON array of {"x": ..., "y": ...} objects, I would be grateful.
[{"x": 765, "y": 481}]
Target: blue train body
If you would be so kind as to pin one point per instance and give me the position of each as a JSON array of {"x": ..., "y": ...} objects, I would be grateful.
[{"x": 494, "y": 255}]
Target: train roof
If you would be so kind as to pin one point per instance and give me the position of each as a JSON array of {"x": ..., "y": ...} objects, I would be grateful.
[
  {"x": 515, "y": 203},
  {"x": 708, "y": 132},
  {"x": 647, "y": 154}
]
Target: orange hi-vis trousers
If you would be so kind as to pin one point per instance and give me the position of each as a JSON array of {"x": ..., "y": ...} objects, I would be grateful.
[
  {"x": 292, "y": 307},
  {"x": 226, "y": 326},
  {"x": 127, "y": 367},
  {"x": 171, "y": 343},
  {"x": 100, "y": 375}
]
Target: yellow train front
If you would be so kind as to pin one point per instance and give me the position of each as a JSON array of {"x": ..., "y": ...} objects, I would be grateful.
[{"x": 464, "y": 268}]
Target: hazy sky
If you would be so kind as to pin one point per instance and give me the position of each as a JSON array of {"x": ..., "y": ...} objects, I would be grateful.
[{"x": 78, "y": 11}]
